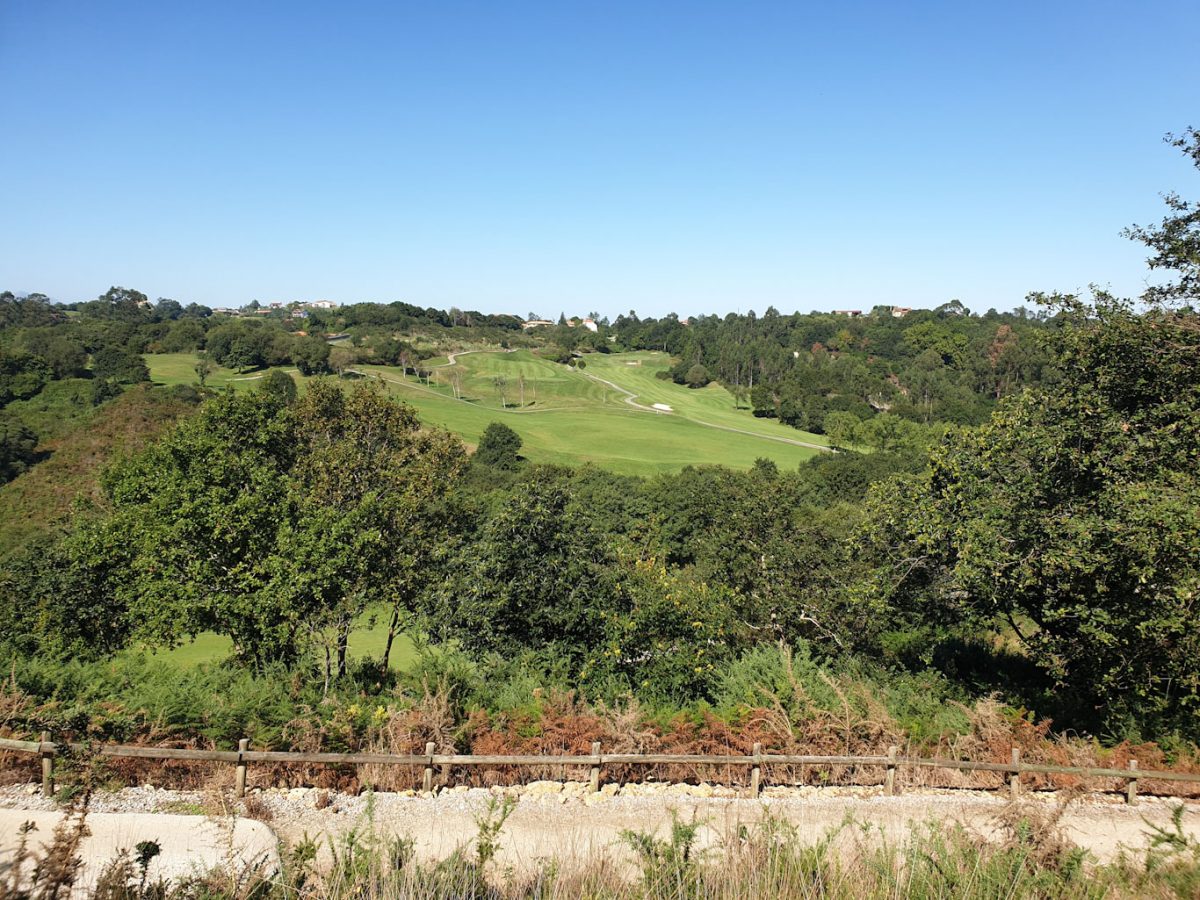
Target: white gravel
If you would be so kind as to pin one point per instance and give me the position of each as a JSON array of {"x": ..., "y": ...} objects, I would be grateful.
[{"x": 565, "y": 821}]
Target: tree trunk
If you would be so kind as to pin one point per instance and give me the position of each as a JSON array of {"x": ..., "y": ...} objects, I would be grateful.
[
  {"x": 343, "y": 640},
  {"x": 387, "y": 648}
]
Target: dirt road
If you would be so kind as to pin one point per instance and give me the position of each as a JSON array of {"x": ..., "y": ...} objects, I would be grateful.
[{"x": 550, "y": 820}]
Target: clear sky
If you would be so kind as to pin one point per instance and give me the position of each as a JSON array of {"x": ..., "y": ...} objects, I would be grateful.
[{"x": 576, "y": 156}]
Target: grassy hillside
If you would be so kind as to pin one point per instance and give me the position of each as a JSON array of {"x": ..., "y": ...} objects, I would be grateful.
[
  {"x": 601, "y": 414},
  {"x": 571, "y": 416},
  {"x": 180, "y": 368},
  {"x": 38, "y": 500}
]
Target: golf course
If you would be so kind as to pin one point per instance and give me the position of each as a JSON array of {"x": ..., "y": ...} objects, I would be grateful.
[{"x": 614, "y": 413}]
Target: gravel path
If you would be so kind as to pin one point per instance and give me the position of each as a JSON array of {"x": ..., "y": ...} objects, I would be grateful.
[{"x": 564, "y": 821}]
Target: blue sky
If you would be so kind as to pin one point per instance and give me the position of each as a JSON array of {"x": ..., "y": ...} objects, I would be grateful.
[{"x": 547, "y": 157}]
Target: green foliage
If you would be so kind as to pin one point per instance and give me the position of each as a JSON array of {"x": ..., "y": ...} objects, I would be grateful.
[
  {"x": 1175, "y": 241},
  {"x": 670, "y": 867},
  {"x": 17, "y": 445},
  {"x": 22, "y": 375},
  {"x": 664, "y": 632},
  {"x": 1074, "y": 510},
  {"x": 279, "y": 386},
  {"x": 274, "y": 525},
  {"x": 499, "y": 447},
  {"x": 119, "y": 365}
]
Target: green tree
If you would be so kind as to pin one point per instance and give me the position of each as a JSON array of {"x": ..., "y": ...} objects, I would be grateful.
[
  {"x": 842, "y": 429},
  {"x": 276, "y": 525},
  {"x": 499, "y": 447},
  {"x": 310, "y": 355},
  {"x": 17, "y": 447},
  {"x": 22, "y": 375},
  {"x": 66, "y": 357},
  {"x": 697, "y": 376},
  {"x": 1072, "y": 517},
  {"x": 280, "y": 386},
  {"x": 184, "y": 336},
  {"x": 1175, "y": 241},
  {"x": 204, "y": 367},
  {"x": 120, "y": 365}
]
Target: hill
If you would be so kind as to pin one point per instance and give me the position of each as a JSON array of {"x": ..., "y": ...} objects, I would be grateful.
[
  {"x": 603, "y": 414},
  {"x": 38, "y": 500}
]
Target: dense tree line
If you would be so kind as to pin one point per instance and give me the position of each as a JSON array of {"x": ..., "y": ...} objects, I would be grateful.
[{"x": 927, "y": 366}]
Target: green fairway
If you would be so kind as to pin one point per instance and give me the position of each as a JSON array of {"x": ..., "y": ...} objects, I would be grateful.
[
  {"x": 180, "y": 368},
  {"x": 602, "y": 414},
  {"x": 569, "y": 416},
  {"x": 368, "y": 639}
]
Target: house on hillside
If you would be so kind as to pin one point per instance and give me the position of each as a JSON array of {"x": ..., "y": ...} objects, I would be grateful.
[
  {"x": 852, "y": 313},
  {"x": 536, "y": 323},
  {"x": 899, "y": 312},
  {"x": 322, "y": 304}
]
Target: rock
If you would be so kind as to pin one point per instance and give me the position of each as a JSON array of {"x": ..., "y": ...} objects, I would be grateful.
[
  {"x": 610, "y": 790},
  {"x": 542, "y": 788},
  {"x": 702, "y": 790}
]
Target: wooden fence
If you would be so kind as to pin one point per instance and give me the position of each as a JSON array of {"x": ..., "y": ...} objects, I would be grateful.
[{"x": 241, "y": 758}]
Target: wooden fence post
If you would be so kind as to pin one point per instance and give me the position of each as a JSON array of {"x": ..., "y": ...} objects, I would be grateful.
[
  {"x": 47, "y": 767},
  {"x": 594, "y": 786},
  {"x": 1014, "y": 778},
  {"x": 1131, "y": 787},
  {"x": 889, "y": 786},
  {"x": 427, "y": 781},
  {"x": 756, "y": 772},
  {"x": 239, "y": 781}
]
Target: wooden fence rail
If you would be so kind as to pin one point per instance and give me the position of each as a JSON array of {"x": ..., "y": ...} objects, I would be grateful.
[{"x": 243, "y": 757}]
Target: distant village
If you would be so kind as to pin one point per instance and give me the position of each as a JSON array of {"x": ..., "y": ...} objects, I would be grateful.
[{"x": 297, "y": 309}]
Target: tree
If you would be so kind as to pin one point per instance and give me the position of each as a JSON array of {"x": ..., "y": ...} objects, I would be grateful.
[
  {"x": 499, "y": 447},
  {"x": 67, "y": 358},
  {"x": 276, "y": 525},
  {"x": 22, "y": 375},
  {"x": 17, "y": 447},
  {"x": 842, "y": 429},
  {"x": 183, "y": 336},
  {"x": 697, "y": 376},
  {"x": 120, "y": 365},
  {"x": 533, "y": 578},
  {"x": 341, "y": 359},
  {"x": 1175, "y": 241},
  {"x": 166, "y": 309},
  {"x": 279, "y": 386},
  {"x": 204, "y": 367},
  {"x": 1071, "y": 516}
]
